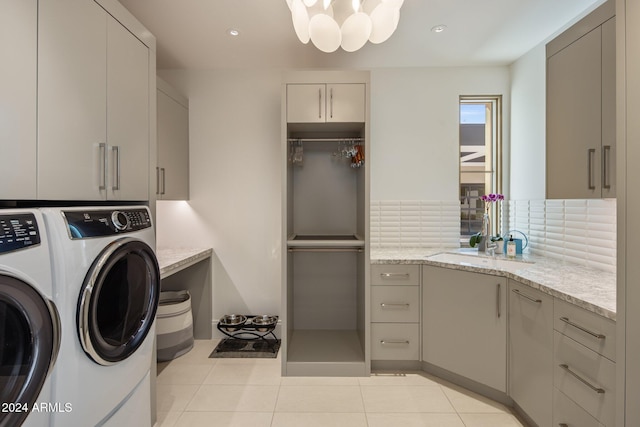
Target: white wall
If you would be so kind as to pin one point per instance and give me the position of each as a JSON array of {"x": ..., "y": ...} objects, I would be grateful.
[
  {"x": 234, "y": 206},
  {"x": 235, "y": 168},
  {"x": 414, "y": 128},
  {"x": 528, "y": 93}
]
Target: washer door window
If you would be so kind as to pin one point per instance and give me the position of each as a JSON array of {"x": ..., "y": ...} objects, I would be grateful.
[
  {"x": 118, "y": 301},
  {"x": 29, "y": 343}
]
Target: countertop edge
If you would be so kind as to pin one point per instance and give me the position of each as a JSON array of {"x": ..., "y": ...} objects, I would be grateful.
[
  {"x": 172, "y": 261},
  {"x": 520, "y": 275}
]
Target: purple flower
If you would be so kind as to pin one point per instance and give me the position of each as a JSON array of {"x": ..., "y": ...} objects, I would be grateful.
[{"x": 492, "y": 197}]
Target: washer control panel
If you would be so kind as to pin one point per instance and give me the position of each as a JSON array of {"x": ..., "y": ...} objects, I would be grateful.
[
  {"x": 103, "y": 222},
  {"x": 18, "y": 231}
]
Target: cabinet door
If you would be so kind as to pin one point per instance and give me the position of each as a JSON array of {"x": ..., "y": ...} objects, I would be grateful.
[
  {"x": 72, "y": 66},
  {"x": 18, "y": 45},
  {"x": 346, "y": 102},
  {"x": 465, "y": 324},
  {"x": 173, "y": 148},
  {"x": 127, "y": 114},
  {"x": 306, "y": 103},
  {"x": 574, "y": 120},
  {"x": 609, "y": 108},
  {"x": 531, "y": 351}
]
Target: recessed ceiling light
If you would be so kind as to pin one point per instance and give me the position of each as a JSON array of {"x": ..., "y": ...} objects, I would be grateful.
[
  {"x": 439, "y": 28},
  {"x": 233, "y": 32}
]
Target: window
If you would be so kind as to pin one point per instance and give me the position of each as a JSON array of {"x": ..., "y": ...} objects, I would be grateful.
[{"x": 480, "y": 161}]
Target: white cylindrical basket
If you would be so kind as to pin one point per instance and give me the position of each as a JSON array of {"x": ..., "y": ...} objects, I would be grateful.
[{"x": 175, "y": 325}]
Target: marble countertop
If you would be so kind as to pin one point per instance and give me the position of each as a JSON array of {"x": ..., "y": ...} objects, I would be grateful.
[
  {"x": 589, "y": 288},
  {"x": 172, "y": 260}
]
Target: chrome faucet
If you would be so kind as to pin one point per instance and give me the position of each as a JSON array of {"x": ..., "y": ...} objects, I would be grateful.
[{"x": 486, "y": 245}]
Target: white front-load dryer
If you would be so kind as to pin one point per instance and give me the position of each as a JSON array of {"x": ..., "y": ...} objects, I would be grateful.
[
  {"x": 106, "y": 286},
  {"x": 29, "y": 322}
]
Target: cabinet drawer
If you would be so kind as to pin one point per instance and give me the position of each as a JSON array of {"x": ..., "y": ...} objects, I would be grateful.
[
  {"x": 586, "y": 377},
  {"x": 567, "y": 413},
  {"x": 589, "y": 329},
  {"x": 395, "y": 304},
  {"x": 395, "y": 341},
  {"x": 395, "y": 274}
]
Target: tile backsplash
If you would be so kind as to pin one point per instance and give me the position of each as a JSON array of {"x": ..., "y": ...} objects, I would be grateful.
[
  {"x": 580, "y": 231},
  {"x": 415, "y": 224}
]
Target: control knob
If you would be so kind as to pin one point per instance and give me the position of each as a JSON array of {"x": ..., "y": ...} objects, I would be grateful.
[{"x": 120, "y": 220}]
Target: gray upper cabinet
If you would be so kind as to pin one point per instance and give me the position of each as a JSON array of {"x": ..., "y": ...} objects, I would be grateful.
[
  {"x": 581, "y": 107},
  {"x": 172, "y": 179},
  {"x": 18, "y": 98},
  {"x": 326, "y": 103},
  {"x": 93, "y": 105}
]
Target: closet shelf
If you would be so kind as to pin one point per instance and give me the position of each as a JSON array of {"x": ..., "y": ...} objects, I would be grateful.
[{"x": 324, "y": 241}]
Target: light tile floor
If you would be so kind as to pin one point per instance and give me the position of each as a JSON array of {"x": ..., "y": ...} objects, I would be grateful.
[{"x": 194, "y": 391}]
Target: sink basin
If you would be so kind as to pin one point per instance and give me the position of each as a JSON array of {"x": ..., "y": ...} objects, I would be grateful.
[{"x": 496, "y": 263}]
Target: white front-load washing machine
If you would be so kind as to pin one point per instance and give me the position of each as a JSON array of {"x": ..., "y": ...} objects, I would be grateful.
[
  {"x": 29, "y": 322},
  {"x": 106, "y": 286}
]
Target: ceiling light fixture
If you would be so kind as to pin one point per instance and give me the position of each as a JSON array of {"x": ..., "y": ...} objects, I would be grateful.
[
  {"x": 233, "y": 32},
  {"x": 349, "y": 24},
  {"x": 439, "y": 28}
]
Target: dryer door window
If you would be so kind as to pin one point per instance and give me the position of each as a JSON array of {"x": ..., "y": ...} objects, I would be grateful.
[
  {"x": 29, "y": 343},
  {"x": 118, "y": 301}
]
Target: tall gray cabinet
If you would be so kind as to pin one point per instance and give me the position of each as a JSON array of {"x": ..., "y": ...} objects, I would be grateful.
[
  {"x": 325, "y": 225},
  {"x": 581, "y": 109}
]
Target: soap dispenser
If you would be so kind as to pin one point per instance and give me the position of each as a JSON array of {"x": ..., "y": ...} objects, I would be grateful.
[{"x": 511, "y": 247}]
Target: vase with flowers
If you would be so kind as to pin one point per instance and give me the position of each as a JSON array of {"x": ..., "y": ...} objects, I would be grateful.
[{"x": 482, "y": 238}]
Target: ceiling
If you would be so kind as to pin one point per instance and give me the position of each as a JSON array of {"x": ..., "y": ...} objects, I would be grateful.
[{"x": 192, "y": 34}]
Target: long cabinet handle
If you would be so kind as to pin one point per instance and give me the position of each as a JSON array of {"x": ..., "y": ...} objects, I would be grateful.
[
  {"x": 498, "y": 303},
  {"x": 402, "y": 342},
  {"x": 319, "y": 103},
  {"x": 606, "y": 160},
  {"x": 395, "y": 275},
  {"x": 102, "y": 160},
  {"x": 164, "y": 182},
  {"x": 583, "y": 329},
  {"x": 591, "y": 152},
  {"x": 520, "y": 294},
  {"x": 582, "y": 380},
  {"x": 331, "y": 102},
  {"x": 563, "y": 425},
  {"x": 157, "y": 180},
  {"x": 393, "y": 304},
  {"x": 116, "y": 152}
]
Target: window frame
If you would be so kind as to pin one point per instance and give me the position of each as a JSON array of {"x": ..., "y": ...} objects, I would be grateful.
[{"x": 496, "y": 169}]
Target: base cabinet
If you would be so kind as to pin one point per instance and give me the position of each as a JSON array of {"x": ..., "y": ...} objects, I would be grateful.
[
  {"x": 567, "y": 413},
  {"x": 531, "y": 351},
  {"x": 464, "y": 324}
]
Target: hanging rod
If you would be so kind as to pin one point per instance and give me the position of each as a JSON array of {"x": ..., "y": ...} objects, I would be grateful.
[
  {"x": 326, "y": 139},
  {"x": 306, "y": 249}
]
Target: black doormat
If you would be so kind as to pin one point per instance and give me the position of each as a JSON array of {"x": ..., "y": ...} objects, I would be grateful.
[{"x": 236, "y": 348}]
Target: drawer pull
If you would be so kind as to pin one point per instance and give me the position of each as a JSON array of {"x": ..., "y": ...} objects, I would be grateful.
[
  {"x": 575, "y": 325},
  {"x": 582, "y": 380},
  {"x": 520, "y": 294},
  {"x": 563, "y": 425},
  {"x": 401, "y": 342},
  {"x": 395, "y": 275},
  {"x": 391, "y": 304}
]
